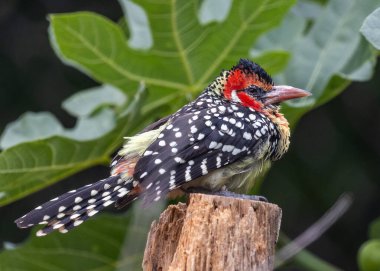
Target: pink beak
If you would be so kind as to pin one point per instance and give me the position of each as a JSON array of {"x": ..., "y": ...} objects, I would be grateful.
[{"x": 283, "y": 93}]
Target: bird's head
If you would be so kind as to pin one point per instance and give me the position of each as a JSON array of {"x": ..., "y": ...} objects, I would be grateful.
[{"x": 249, "y": 85}]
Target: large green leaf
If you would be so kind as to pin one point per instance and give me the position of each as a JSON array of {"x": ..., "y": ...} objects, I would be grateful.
[
  {"x": 370, "y": 28},
  {"x": 30, "y": 166},
  {"x": 94, "y": 246},
  {"x": 329, "y": 45},
  {"x": 185, "y": 54}
]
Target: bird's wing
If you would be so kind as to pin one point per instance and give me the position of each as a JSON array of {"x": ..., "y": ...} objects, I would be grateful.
[{"x": 196, "y": 143}]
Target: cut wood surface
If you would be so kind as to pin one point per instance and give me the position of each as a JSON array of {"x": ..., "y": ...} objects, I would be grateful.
[{"x": 214, "y": 233}]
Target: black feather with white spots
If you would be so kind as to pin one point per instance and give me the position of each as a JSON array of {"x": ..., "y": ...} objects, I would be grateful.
[
  {"x": 72, "y": 208},
  {"x": 205, "y": 135}
]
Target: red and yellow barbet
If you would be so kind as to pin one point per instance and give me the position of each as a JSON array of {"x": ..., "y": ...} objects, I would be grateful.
[{"x": 220, "y": 141}]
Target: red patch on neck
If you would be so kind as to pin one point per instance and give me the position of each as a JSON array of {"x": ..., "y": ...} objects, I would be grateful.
[
  {"x": 236, "y": 80},
  {"x": 249, "y": 101}
]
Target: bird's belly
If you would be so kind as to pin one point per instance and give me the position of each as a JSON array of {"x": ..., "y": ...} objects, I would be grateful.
[{"x": 237, "y": 177}]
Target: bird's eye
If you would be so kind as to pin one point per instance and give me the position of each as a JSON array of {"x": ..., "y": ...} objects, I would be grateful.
[{"x": 254, "y": 91}]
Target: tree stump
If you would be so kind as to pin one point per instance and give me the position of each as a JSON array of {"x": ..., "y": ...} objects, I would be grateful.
[{"x": 214, "y": 233}]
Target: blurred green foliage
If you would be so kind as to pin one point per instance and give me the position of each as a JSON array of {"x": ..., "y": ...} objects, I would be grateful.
[{"x": 150, "y": 64}]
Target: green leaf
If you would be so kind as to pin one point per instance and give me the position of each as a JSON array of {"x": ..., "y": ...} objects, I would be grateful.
[
  {"x": 374, "y": 229},
  {"x": 214, "y": 11},
  {"x": 85, "y": 102},
  {"x": 369, "y": 256},
  {"x": 326, "y": 49},
  {"x": 273, "y": 61},
  {"x": 180, "y": 58},
  {"x": 30, "y": 166},
  {"x": 96, "y": 245},
  {"x": 138, "y": 25},
  {"x": 30, "y": 126},
  {"x": 35, "y": 126},
  {"x": 370, "y": 28},
  {"x": 360, "y": 66}
]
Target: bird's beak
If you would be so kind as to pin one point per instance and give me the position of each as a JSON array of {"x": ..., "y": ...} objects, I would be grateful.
[{"x": 283, "y": 93}]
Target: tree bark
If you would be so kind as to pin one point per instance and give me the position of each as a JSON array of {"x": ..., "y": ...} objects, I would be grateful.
[{"x": 214, "y": 233}]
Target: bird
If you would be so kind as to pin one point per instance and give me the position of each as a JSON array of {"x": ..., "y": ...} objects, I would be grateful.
[{"x": 220, "y": 141}]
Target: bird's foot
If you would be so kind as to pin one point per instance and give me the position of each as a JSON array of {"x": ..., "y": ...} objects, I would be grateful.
[{"x": 224, "y": 193}]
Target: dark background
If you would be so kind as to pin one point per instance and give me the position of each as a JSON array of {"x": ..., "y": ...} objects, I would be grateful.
[{"x": 335, "y": 148}]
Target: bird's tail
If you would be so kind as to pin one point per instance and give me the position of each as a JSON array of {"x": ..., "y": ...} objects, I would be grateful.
[{"x": 72, "y": 208}]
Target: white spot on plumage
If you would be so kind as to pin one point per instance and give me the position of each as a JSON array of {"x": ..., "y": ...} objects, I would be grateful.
[
  {"x": 46, "y": 217},
  {"x": 106, "y": 186},
  {"x": 61, "y": 209},
  {"x": 93, "y": 212},
  {"x": 37, "y": 208},
  {"x": 40, "y": 233},
  {"x": 57, "y": 226},
  {"x": 105, "y": 194},
  {"x": 218, "y": 162},
  {"x": 91, "y": 201},
  {"x": 113, "y": 163},
  {"x": 77, "y": 222},
  {"x": 204, "y": 166},
  {"x": 227, "y": 148},
  {"x": 232, "y": 120},
  {"x": 162, "y": 143},
  {"x": 193, "y": 129},
  {"x": 149, "y": 186},
  {"x": 176, "y": 129},
  {"x": 240, "y": 114},
  {"x": 122, "y": 193},
  {"x": 178, "y": 134},
  {"x": 147, "y": 153},
  {"x": 258, "y": 134},
  {"x": 208, "y": 123},
  {"x": 173, "y": 144},
  {"x": 161, "y": 171},
  {"x": 179, "y": 160},
  {"x": 187, "y": 174},
  {"x": 212, "y": 145},
  {"x": 174, "y": 150},
  {"x": 93, "y": 192},
  {"x": 78, "y": 199},
  {"x": 200, "y": 136},
  {"x": 222, "y": 108},
  {"x": 157, "y": 198},
  {"x": 54, "y": 199},
  {"x": 143, "y": 175},
  {"x": 247, "y": 136},
  {"x": 109, "y": 202},
  {"x": 157, "y": 161},
  {"x": 74, "y": 216},
  {"x": 252, "y": 116},
  {"x": 77, "y": 207},
  {"x": 169, "y": 127}
]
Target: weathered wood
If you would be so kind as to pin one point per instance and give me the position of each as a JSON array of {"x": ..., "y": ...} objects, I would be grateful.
[{"x": 214, "y": 233}]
